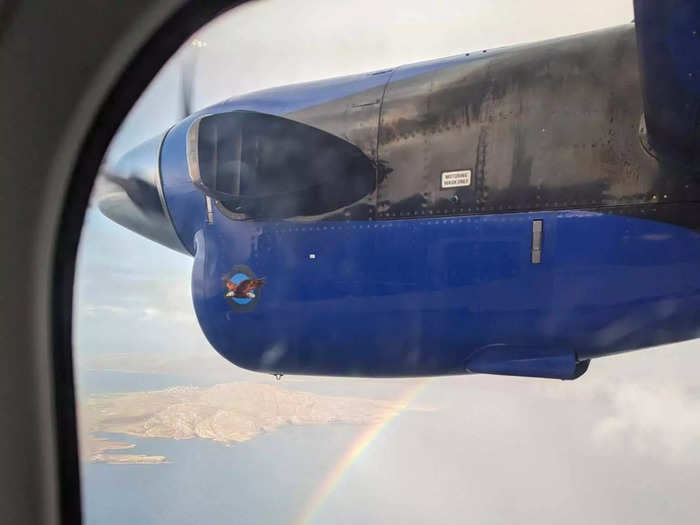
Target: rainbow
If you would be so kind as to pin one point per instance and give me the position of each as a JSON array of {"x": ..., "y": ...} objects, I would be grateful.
[{"x": 356, "y": 448}]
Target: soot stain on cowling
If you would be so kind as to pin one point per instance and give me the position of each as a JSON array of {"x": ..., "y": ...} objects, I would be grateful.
[
  {"x": 451, "y": 105},
  {"x": 521, "y": 169}
]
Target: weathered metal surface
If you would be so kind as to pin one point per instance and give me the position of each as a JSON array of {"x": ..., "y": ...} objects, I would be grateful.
[{"x": 547, "y": 126}]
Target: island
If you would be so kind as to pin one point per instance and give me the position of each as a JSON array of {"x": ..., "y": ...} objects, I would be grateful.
[{"x": 227, "y": 413}]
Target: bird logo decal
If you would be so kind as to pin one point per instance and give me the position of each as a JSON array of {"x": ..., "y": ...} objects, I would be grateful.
[
  {"x": 242, "y": 288},
  {"x": 245, "y": 289}
]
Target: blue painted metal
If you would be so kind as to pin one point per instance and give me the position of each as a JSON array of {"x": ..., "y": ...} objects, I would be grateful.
[
  {"x": 668, "y": 35},
  {"x": 420, "y": 296},
  {"x": 185, "y": 202},
  {"x": 531, "y": 361}
]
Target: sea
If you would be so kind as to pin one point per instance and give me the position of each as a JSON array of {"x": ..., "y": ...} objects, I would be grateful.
[
  {"x": 265, "y": 480},
  {"x": 268, "y": 479},
  {"x": 471, "y": 449}
]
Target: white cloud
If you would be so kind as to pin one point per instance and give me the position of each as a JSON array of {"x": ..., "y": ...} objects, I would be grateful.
[{"x": 662, "y": 421}]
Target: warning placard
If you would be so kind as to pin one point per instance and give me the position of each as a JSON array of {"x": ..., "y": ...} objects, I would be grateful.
[{"x": 455, "y": 179}]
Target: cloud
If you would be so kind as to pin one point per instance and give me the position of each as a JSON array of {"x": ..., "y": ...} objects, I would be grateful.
[
  {"x": 124, "y": 283},
  {"x": 644, "y": 403},
  {"x": 662, "y": 421},
  {"x": 94, "y": 310}
]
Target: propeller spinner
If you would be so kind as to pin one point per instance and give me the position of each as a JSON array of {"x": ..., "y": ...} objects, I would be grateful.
[{"x": 130, "y": 193}]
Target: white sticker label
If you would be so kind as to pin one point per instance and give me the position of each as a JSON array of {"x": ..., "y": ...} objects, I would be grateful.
[{"x": 455, "y": 179}]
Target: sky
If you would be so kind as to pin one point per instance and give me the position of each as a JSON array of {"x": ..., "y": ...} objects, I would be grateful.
[
  {"x": 270, "y": 43},
  {"x": 624, "y": 438}
]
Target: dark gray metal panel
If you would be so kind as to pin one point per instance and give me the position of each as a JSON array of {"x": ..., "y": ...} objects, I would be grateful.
[
  {"x": 552, "y": 125},
  {"x": 544, "y": 126},
  {"x": 354, "y": 118}
]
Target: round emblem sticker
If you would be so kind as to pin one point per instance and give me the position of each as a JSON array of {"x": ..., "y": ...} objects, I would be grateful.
[{"x": 242, "y": 288}]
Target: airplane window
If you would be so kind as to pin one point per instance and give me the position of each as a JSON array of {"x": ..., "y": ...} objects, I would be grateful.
[{"x": 370, "y": 262}]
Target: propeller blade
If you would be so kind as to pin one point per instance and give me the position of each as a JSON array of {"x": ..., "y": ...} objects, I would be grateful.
[
  {"x": 186, "y": 83},
  {"x": 189, "y": 59}
]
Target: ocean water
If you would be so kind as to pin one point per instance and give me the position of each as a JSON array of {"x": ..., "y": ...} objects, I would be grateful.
[
  {"x": 479, "y": 449},
  {"x": 265, "y": 480},
  {"x": 108, "y": 382},
  {"x": 268, "y": 479}
]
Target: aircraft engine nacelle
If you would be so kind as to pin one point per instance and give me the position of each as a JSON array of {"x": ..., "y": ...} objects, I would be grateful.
[{"x": 487, "y": 213}]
